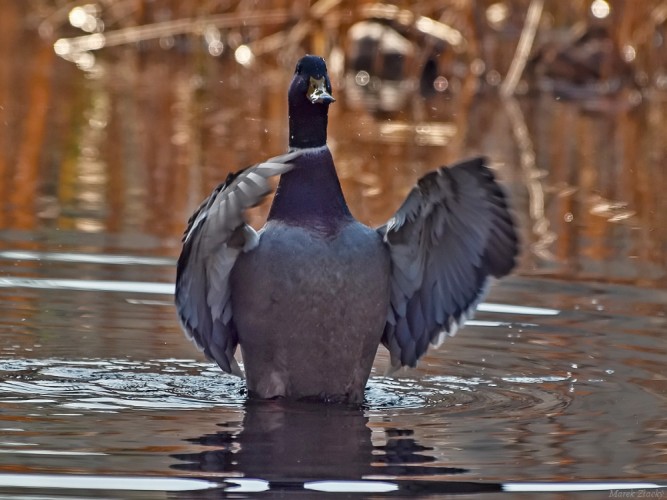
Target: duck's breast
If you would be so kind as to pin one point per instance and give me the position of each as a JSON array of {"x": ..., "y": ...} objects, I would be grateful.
[{"x": 310, "y": 308}]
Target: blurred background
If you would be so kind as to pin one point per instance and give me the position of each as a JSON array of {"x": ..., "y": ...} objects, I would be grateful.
[{"x": 118, "y": 117}]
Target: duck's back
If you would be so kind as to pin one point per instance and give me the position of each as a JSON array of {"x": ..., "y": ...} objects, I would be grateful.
[{"x": 310, "y": 308}]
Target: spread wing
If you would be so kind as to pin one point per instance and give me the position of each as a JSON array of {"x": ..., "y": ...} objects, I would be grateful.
[
  {"x": 452, "y": 233},
  {"x": 216, "y": 234}
]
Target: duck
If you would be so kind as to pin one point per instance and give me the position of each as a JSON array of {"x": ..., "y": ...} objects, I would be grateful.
[
  {"x": 587, "y": 68},
  {"x": 310, "y": 296}
]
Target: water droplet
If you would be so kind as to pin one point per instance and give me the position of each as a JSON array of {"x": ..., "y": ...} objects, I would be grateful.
[{"x": 440, "y": 84}]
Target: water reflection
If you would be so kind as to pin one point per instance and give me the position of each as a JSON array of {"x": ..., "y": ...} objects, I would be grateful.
[
  {"x": 108, "y": 152},
  {"x": 533, "y": 397},
  {"x": 295, "y": 446},
  {"x": 82, "y": 258},
  {"x": 278, "y": 440}
]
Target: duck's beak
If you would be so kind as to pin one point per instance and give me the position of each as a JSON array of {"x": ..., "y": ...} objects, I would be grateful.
[{"x": 317, "y": 91}]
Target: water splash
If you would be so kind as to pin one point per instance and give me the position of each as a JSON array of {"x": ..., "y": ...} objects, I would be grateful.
[{"x": 113, "y": 385}]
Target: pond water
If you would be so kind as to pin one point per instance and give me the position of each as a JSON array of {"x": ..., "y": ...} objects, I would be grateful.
[{"x": 559, "y": 384}]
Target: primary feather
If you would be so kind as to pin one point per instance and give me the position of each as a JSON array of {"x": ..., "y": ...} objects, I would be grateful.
[{"x": 452, "y": 233}]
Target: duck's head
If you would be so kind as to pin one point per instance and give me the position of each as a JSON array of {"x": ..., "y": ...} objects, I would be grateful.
[{"x": 309, "y": 98}]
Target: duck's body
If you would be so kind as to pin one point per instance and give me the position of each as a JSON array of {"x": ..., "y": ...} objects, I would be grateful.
[
  {"x": 311, "y": 296},
  {"x": 329, "y": 296},
  {"x": 317, "y": 282}
]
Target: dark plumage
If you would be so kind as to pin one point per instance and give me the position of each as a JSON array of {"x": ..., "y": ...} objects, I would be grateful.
[{"x": 311, "y": 296}]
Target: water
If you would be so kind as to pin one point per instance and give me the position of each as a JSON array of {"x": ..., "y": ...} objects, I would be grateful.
[
  {"x": 102, "y": 382},
  {"x": 559, "y": 384}
]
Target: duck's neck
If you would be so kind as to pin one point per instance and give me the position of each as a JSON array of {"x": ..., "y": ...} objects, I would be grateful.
[
  {"x": 307, "y": 121},
  {"x": 310, "y": 194}
]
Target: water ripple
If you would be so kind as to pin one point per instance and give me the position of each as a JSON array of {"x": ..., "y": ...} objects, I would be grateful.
[
  {"x": 118, "y": 384},
  {"x": 474, "y": 395},
  {"x": 114, "y": 385}
]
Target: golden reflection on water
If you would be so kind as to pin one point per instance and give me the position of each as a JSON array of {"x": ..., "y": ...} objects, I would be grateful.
[{"x": 131, "y": 143}]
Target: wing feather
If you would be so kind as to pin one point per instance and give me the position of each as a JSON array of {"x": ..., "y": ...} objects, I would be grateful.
[
  {"x": 453, "y": 232},
  {"x": 216, "y": 234}
]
